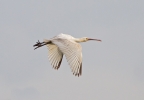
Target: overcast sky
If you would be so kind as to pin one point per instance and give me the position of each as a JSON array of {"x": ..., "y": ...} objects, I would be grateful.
[{"x": 112, "y": 69}]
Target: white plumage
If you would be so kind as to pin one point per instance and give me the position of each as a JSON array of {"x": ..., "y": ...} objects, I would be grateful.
[{"x": 67, "y": 45}]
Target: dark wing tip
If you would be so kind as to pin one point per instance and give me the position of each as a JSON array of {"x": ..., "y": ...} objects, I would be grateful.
[
  {"x": 80, "y": 71},
  {"x": 57, "y": 67}
]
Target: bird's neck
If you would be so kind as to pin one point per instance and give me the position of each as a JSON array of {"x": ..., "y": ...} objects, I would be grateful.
[{"x": 78, "y": 40}]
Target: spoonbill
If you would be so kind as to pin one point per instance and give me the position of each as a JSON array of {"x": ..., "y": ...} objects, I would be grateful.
[{"x": 67, "y": 45}]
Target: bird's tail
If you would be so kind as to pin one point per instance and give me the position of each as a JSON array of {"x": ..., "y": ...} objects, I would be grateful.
[{"x": 46, "y": 41}]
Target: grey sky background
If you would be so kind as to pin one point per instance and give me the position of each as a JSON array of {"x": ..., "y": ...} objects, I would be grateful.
[{"x": 112, "y": 69}]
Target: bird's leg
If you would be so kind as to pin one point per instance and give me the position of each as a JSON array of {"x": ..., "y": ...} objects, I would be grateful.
[{"x": 39, "y": 44}]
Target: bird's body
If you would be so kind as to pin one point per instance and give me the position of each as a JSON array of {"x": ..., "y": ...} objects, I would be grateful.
[{"x": 67, "y": 45}]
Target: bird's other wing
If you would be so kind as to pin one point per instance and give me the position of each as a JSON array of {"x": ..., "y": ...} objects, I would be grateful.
[
  {"x": 73, "y": 53},
  {"x": 55, "y": 55}
]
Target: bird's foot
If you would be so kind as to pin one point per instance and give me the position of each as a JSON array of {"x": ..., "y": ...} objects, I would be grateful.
[{"x": 38, "y": 44}]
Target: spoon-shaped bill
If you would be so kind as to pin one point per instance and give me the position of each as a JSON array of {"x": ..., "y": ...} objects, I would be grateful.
[{"x": 94, "y": 39}]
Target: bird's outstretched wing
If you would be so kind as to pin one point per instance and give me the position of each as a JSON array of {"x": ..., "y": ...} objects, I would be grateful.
[
  {"x": 55, "y": 55},
  {"x": 73, "y": 53}
]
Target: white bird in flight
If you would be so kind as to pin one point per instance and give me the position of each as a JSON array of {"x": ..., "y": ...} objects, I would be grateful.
[{"x": 67, "y": 45}]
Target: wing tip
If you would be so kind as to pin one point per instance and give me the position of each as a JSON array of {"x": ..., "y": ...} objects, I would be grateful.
[
  {"x": 79, "y": 73},
  {"x": 57, "y": 67}
]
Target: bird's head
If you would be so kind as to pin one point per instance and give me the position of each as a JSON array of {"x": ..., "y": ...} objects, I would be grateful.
[{"x": 85, "y": 39}]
